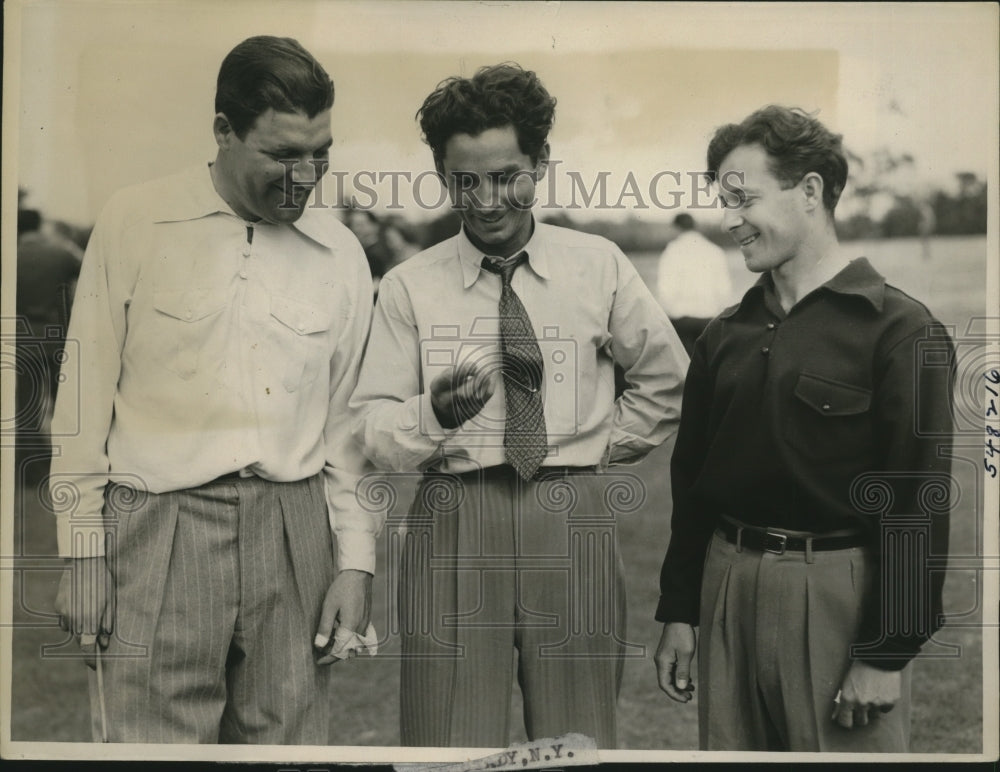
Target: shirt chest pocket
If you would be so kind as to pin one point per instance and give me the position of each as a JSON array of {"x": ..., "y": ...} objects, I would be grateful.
[
  {"x": 189, "y": 328},
  {"x": 830, "y": 420},
  {"x": 299, "y": 334}
]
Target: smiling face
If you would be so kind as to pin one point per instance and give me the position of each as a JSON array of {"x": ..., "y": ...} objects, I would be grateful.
[
  {"x": 270, "y": 173},
  {"x": 768, "y": 221},
  {"x": 491, "y": 183}
]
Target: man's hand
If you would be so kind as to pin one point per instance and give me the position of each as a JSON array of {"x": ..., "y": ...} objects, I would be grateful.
[
  {"x": 459, "y": 393},
  {"x": 865, "y": 690},
  {"x": 673, "y": 660},
  {"x": 348, "y": 604},
  {"x": 85, "y": 603}
]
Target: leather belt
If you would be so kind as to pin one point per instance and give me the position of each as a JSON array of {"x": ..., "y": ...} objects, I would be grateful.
[
  {"x": 543, "y": 473},
  {"x": 778, "y": 542}
]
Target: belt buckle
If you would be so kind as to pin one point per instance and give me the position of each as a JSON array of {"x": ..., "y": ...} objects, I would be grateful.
[{"x": 775, "y": 542}]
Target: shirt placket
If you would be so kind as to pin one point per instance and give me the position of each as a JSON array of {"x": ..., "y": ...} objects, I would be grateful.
[
  {"x": 251, "y": 304},
  {"x": 768, "y": 324}
]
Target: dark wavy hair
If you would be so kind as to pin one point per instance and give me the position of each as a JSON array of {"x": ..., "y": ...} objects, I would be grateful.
[
  {"x": 796, "y": 144},
  {"x": 269, "y": 72},
  {"x": 497, "y": 95}
]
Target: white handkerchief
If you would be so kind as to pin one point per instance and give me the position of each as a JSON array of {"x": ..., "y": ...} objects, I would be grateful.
[{"x": 345, "y": 641}]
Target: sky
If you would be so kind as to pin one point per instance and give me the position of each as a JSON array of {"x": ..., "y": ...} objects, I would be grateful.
[{"x": 112, "y": 93}]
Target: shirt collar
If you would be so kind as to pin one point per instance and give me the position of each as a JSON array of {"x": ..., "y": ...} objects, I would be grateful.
[
  {"x": 858, "y": 277},
  {"x": 198, "y": 198},
  {"x": 195, "y": 197},
  {"x": 471, "y": 257}
]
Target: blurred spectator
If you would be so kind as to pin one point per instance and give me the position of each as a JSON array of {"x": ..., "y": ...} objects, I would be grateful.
[
  {"x": 365, "y": 226},
  {"x": 397, "y": 242},
  {"x": 693, "y": 283},
  {"x": 387, "y": 242},
  {"x": 47, "y": 269},
  {"x": 74, "y": 237}
]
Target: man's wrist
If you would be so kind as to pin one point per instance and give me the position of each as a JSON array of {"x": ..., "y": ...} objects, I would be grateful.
[
  {"x": 446, "y": 418},
  {"x": 359, "y": 571},
  {"x": 80, "y": 537},
  {"x": 425, "y": 416}
]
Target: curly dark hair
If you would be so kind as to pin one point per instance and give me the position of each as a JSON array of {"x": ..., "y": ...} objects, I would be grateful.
[
  {"x": 796, "y": 144},
  {"x": 266, "y": 72},
  {"x": 498, "y": 95}
]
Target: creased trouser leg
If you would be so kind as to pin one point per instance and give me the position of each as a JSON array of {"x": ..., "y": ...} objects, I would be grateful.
[
  {"x": 216, "y": 612},
  {"x": 491, "y": 564},
  {"x": 774, "y": 648}
]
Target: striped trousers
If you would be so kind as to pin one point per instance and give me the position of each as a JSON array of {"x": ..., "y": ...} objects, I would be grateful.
[
  {"x": 491, "y": 565},
  {"x": 219, "y": 590}
]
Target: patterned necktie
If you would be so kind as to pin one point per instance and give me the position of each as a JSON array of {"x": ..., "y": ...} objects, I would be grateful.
[{"x": 525, "y": 441}]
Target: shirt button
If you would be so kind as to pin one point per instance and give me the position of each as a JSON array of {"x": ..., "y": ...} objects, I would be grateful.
[
  {"x": 188, "y": 315},
  {"x": 771, "y": 325},
  {"x": 246, "y": 253},
  {"x": 301, "y": 328},
  {"x": 826, "y": 405},
  {"x": 765, "y": 350},
  {"x": 243, "y": 274}
]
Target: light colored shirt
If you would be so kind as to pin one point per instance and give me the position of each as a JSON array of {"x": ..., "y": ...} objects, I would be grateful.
[
  {"x": 205, "y": 351},
  {"x": 588, "y": 307},
  {"x": 693, "y": 278}
]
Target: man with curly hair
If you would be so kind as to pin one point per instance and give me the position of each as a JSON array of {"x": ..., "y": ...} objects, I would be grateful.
[
  {"x": 810, "y": 520},
  {"x": 490, "y": 370}
]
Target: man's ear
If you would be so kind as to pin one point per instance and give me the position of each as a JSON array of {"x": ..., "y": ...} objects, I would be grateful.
[
  {"x": 812, "y": 187},
  {"x": 223, "y": 131},
  {"x": 542, "y": 162}
]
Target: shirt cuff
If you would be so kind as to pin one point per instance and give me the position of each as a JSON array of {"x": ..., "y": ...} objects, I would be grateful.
[
  {"x": 625, "y": 449},
  {"x": 890, "y": 652},
  {"x": 80, "y": 536},
  {"x": 679, "y": 607},
  {"x": 886, "y": 662},
  {"x": 356, "y": 551},
  {"x": 427, "y": 420}
]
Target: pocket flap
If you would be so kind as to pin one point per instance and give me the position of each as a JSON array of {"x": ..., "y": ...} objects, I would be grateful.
[
  {"x": 189, "y": 305},
  {"x": 829, "y": 397},
  {"x": 301, "y": 317}
]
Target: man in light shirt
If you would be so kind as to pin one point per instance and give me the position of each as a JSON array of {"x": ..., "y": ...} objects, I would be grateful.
[
  {"x": 221, "y": 324},
  {"x": 490, "y": 370},
  {"x": 692, "y": 281}
]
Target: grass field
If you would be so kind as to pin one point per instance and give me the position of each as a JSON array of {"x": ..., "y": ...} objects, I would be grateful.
[{"x": 49, "y": 695}]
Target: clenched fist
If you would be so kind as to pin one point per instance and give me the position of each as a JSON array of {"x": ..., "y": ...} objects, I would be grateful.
[{"x": 459, "y": 393}]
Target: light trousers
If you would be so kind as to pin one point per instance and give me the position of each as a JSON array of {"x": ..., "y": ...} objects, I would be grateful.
[
  {"x": 219, "y": 590},
  {"x": 774, "y": 648}
]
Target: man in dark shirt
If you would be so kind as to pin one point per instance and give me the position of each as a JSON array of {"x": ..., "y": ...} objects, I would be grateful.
[{"x": 810, "y": 519}]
